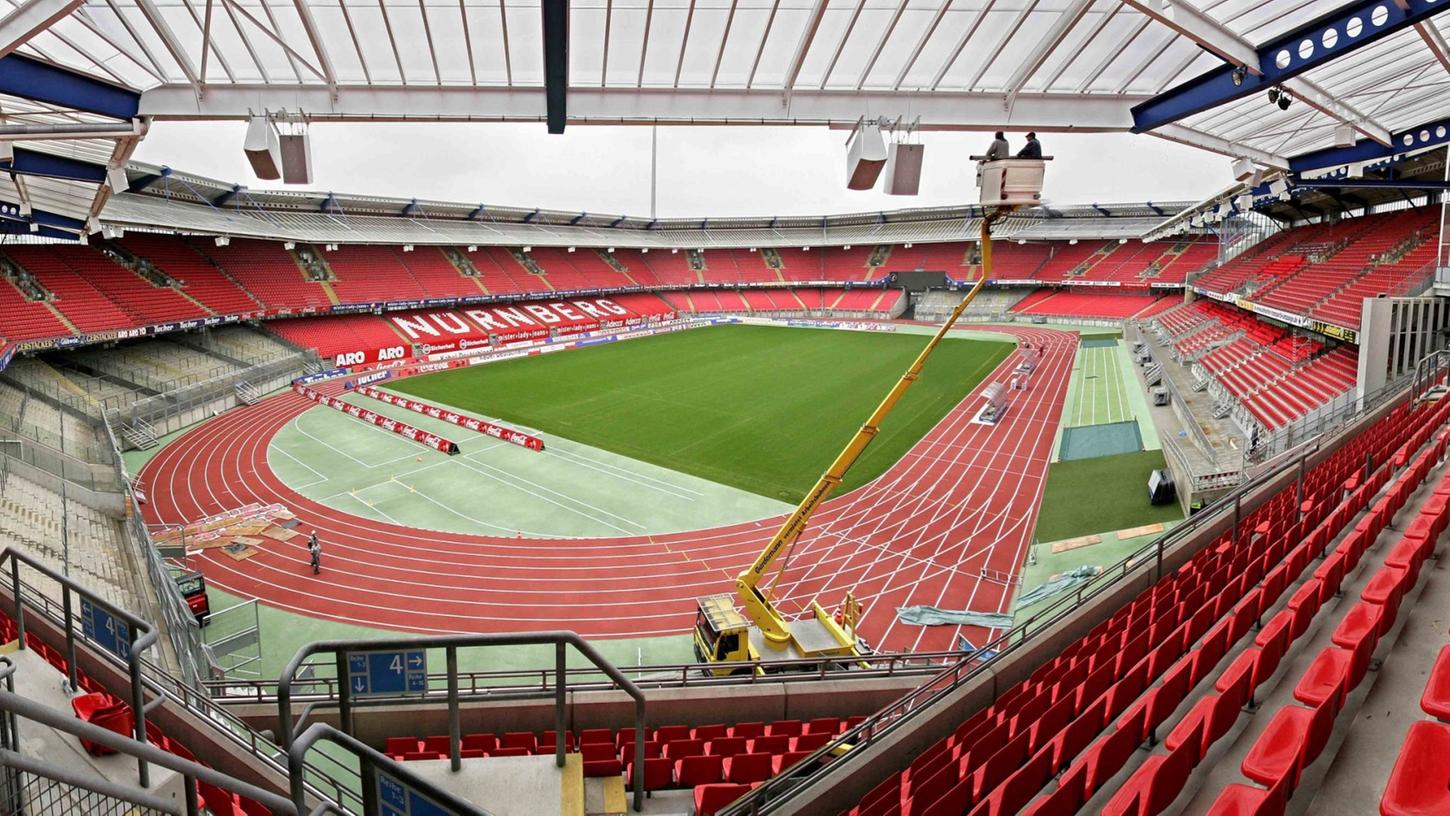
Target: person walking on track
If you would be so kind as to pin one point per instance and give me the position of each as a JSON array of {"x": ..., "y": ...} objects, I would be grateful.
[{"x": 314, "y": 549}]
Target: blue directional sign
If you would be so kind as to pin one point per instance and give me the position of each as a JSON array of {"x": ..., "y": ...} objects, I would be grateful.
[
  {"x": 390, "y": 672},
  {"x": 105, "y": 630},
  {"x": 396, "y": 798}
]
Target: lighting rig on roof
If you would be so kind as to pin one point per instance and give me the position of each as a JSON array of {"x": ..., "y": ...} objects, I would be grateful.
[
  {"x": 278, "y": 146},
  {"x": 868, "y": 154}
]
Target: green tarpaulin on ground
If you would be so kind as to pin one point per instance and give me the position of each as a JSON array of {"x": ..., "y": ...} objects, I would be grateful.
[
  {"x": 932, "y": 616},
  {"x": 1062, "y": 583},
  {"x": 1091, "y": 441}
]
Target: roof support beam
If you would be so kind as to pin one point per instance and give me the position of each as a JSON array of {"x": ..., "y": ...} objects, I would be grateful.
[
  {"x": 1276, "y": 62},
  {"x": 323, "y": 60},
  {"x": 808, "y": 35},
  {"x": 142, "y": 182},
  {"x": 556, "y": 63},
  {"x": 1364, "y": 183},
  {"x": 31, "y": 18},
  {"x": 1430, "y": 134},
  {"x": 1066, "y": 21},
  {"x": 168, "y": 38},
  {"x": 28, "y": 162},
  {"x": 221, "y": 200},
  {"x": 941, "y": 110},
  {"x": 1199, "y": 139},
  {"x": 1436, "y": 43},
  {"x": 30, "y": 78}
]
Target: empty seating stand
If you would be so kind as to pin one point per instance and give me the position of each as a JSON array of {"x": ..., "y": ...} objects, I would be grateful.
[
  {"x": 718, "y": 762},
  {"x": 1055, "y": 741}
]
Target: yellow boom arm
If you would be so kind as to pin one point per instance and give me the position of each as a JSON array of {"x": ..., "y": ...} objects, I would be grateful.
[{"x": 757, "y": 606}]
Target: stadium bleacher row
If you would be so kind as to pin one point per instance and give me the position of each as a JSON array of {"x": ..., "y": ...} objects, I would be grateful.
[
  {"x": 1324, "y": 271},
  {"x": 1276, "y": 375},
  {"x": 1109, "y": 305},
  {"x": 1171, "y": 671},
  {"x": 86, "y": 289}
]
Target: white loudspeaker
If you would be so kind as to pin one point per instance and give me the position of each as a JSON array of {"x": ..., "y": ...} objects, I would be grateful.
[
  {"x": 865, "y": 157},
  {"x": 1243, "y": 169},
  {"x": 1343, "y": 136},
  {"x": 263, "y": 150},
  {"x": 296, "y": 159},
  {"x": 903, "y": 168},
  {"x": 116, "y": 178}
]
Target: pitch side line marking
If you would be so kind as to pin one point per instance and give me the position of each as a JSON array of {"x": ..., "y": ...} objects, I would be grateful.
[
  {"x": 581, "y": 462},
  {"x": 510, "y": 483},
  {"x": 302, "y": 463}
]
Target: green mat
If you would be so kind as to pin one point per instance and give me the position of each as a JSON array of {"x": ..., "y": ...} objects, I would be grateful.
[
  {"x": 1098, "y": 342},
  {"x": 1091, "y": 441}
]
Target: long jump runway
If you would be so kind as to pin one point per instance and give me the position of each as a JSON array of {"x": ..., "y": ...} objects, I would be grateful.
[{"x": 962, "y": 500}]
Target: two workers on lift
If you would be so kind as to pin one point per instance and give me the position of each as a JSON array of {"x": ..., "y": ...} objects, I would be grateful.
[{"x": 1000, "y": 149}]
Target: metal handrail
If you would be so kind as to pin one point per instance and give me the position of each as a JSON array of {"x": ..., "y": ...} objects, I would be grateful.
[
  {"x": 135, "y": 645},
  {"x": 143, "y": 752},
  {"x": 484, "y": 684},
  {"x": 368, "y": 759},
  {"x": 340, "y": 649},
  {"x": 177, "y": 692},
  {"x": 903, "y": 711}
]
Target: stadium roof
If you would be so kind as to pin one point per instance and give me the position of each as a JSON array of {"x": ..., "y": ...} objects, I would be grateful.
[
  {"x": 168, "y": 200},
  {"x": 1192, "y": 71}
]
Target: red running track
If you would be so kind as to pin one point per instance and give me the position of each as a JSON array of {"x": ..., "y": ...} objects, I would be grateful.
[{"x": 964, "y": 498}]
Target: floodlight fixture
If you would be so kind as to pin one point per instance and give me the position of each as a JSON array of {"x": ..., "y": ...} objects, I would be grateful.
[
  {"x": 289, "y": 245},
  {"x": 1278, "y": 186},
  {"x": 222, "y": 240},
  {"x": 906, "y": 245},
  {"x": 1021, "y": 241},
  {"x": 528, "y": 249},
  {"x": 1239, "y": 74},
  {"x": 1073, "y": 242},
  {"x": 610, "y": 250},
  {"x": 1122, "y": 240},
  {"x": 643, "y": 250},
  {"x": 1283, "y": 102},
  {"x": 1273, "y": 96},
  {"x": 846, "y": 247},
  {"x": 473, "y": 247},
  {"x": 571, "y": 249},
  {"x": 674, "y": 250},
  {"x": 407, "y": 247},
  {"x": 805, "y": 249}
]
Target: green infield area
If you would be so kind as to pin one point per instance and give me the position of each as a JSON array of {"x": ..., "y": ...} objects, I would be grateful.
[
  {"x": 761, "y": 408},
  {"x": 1104, "y": 493}
]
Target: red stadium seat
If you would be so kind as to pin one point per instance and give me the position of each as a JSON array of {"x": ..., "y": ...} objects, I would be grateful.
[
  {"x": 726, "y": 746},
  {"x": 699, "y": 770},
  {"x": 473, "y": 742},
  {"x": 709, "y": 732},
  {"x": 747, "y": 768},
  {"x": 1435, "y": 701},
  {"x": 659, "y": 773},
  {"x": 1245, "y": 800},
  {"x": 1419, "y": 785},
  {"x": 711, "y": 798},
  {"x": 1292, "y": 740},
  {"x": 600, "y": 759}
]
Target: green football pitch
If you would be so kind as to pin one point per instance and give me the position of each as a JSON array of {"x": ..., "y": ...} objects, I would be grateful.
[{"x": 764, "y": 409}]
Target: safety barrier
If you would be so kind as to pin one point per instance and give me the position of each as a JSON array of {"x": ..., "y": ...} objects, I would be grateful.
[
  {"x": 400, "y": 664},
  {"x": 774, "y": 794},
  {"x": 402, "y": 429},
  {"x": 472, "y": 423}
]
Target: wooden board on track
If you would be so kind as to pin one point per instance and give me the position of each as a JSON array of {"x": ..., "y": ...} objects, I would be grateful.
[
  {"x": 1146, "y": 529},
  {"x": 1075, "y": 543}
]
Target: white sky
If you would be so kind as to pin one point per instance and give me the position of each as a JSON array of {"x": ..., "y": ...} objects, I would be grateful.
[{"x": 703, "y": 171}]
